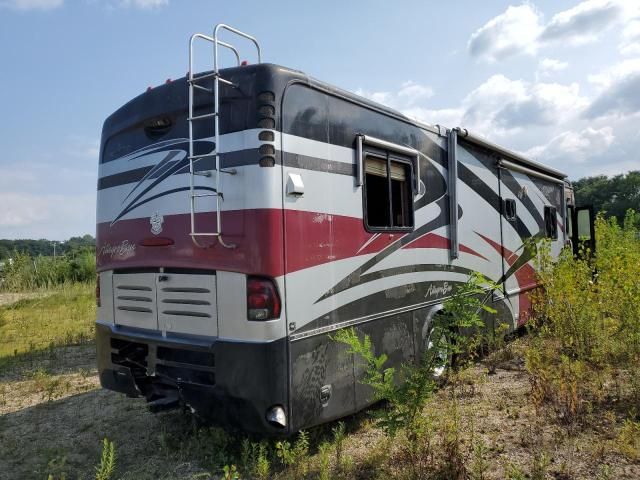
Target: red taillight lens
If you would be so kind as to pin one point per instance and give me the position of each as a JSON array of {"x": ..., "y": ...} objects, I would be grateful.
[
  {"x": 156, "y": 242},
  {"x": 98, "y": 290},
  {"x": 263, "y": 301}
]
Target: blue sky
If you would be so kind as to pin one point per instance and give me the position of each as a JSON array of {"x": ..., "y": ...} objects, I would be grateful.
[{"x": 556, "y": 80}]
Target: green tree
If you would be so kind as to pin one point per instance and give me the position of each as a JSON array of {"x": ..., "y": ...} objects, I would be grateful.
[{"x": 612, "y": 195}]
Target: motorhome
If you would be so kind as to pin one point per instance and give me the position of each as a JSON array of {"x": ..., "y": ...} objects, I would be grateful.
[{"x": 245, "y": 214}]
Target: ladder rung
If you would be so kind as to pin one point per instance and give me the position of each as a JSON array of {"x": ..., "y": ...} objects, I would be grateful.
[
  {"x": 196, "y": 234},
  {"x": 204, "y": 155},
  {"x": 200, "y": 87},
  {"x": 202, "y": 117},
  {"x": 209, "y": 75},
  {"x": 202, "y": 77},
  {"x": 199, "y": 195},
  {"x": 203, "y": 173}
]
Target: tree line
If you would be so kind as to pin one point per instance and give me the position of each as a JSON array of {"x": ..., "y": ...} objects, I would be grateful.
[
  {"x": 44, "y": 247},
  {"x": 611, "y": 195}
]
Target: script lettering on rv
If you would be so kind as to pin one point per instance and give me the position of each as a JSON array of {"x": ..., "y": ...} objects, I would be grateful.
[
  {"x": 125, "y": 249},
  {"x": 438, "y": 290}
]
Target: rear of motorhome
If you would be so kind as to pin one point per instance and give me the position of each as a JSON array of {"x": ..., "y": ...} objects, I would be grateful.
[{"x": 246, "y": 214}]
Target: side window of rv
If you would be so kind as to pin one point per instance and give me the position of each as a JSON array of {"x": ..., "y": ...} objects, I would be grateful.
[
  {"x": 388, "y": 202},
  {"x": 550, "y": 223},
  {"x": 510, "y": 209}
]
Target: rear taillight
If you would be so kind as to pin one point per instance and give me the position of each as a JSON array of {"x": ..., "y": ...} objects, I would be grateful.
[
  {"x": 98, "y": 291},
  {"x": 263, "y": 301}
]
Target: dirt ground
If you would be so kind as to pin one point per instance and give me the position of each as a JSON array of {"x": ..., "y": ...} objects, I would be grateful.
[{"x": 53, "y": 419}]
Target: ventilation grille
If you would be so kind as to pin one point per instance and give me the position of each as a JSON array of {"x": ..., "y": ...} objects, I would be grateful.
[{"x": 169, "y": 302}]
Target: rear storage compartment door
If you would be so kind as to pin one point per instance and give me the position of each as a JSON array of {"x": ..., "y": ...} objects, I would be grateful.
[
  {"x": 169, "y": 302},
  {"x": 187, "y": 304},
  {"x": 134, "y": 301}
]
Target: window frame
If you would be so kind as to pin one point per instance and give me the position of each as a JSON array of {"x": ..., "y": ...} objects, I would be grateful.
[
  {"x": 569, "y": 220},
  {"x": 553, "y": 213},
  {"x": 389, "y": 156},
  {"x": 510, "y": 218}
]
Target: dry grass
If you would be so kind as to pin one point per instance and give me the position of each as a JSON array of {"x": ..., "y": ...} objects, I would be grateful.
[
  {"x": 63, "y": 434},
  {"x": 54, "y": 417}
]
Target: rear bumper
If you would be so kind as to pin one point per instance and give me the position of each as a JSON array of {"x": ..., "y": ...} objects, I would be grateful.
[{"x": 229, "y": 383}]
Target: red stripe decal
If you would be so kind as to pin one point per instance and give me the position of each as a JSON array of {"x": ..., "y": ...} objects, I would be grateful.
[
  {"x": 433, "y": 240},
  {"x": 525, "y": 277},
  {"x": 259, "y": 235}
]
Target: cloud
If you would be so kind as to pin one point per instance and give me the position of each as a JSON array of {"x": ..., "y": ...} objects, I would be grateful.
[
  {"x": 521, "y": 30},
  {"x": 26, "y": 215},
  {"x": 498, "y": 107},
  {"x": 411, "y": 93},
  {"x": 607, "y": 77},
  {"x": 49, "y": 192},
  {"x": 526, "y": 116},
  {"x": 501, "y": 106},
  {"x": 512, "y": 32},
  {"x": 445, "y": 116},
  {"x": 582, "y": 23},
  {"x": 621, "y": 98},
  {"x": 630, "y": 44},
  {"x": 575, "y": 147},
  {"x": 31, "y": 4},
  {"x": 408, "y": 95},
  {"x": 549, "y": 66}
]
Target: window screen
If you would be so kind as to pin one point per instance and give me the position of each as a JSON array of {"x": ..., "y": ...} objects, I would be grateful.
[
  {"x": 550, "y": 223},
  {"x": 388, "y": 193}
]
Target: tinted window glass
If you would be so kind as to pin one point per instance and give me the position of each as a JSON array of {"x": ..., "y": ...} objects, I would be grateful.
[{"x": 388, "y": 193}]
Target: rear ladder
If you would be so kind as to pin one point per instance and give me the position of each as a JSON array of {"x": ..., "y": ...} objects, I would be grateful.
[{"x": 193, "y": 80}]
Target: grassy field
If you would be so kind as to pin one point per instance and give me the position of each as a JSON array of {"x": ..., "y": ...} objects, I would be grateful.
[
  {"x": 39, "y": 321},
  {"x": 54, "y": 416}
]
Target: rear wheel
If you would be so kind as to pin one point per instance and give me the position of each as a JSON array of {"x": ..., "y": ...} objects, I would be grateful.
[{"x": 438, "y": 349}]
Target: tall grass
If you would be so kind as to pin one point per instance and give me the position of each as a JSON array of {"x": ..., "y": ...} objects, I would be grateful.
[
  {"x": 26, "y": 273},
  {"x": 588, "y": 345}
]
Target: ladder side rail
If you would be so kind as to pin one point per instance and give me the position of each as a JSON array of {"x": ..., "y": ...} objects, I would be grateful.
[
  {"x": 210, "y": 39},
  {"x": 216, "y": 120},
  {"x": 222, "y": 26},
  {"x": 216, "y": 131},
  {"x": 190, "y": 120}
]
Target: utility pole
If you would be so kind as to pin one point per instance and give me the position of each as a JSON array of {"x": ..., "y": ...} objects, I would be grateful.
[{"x": 54, "y": 249}]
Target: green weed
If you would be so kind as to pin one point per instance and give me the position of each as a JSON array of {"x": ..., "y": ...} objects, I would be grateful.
[
  {"x": 107, "y": 465},
  {"x": 294, "y": 456}
]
